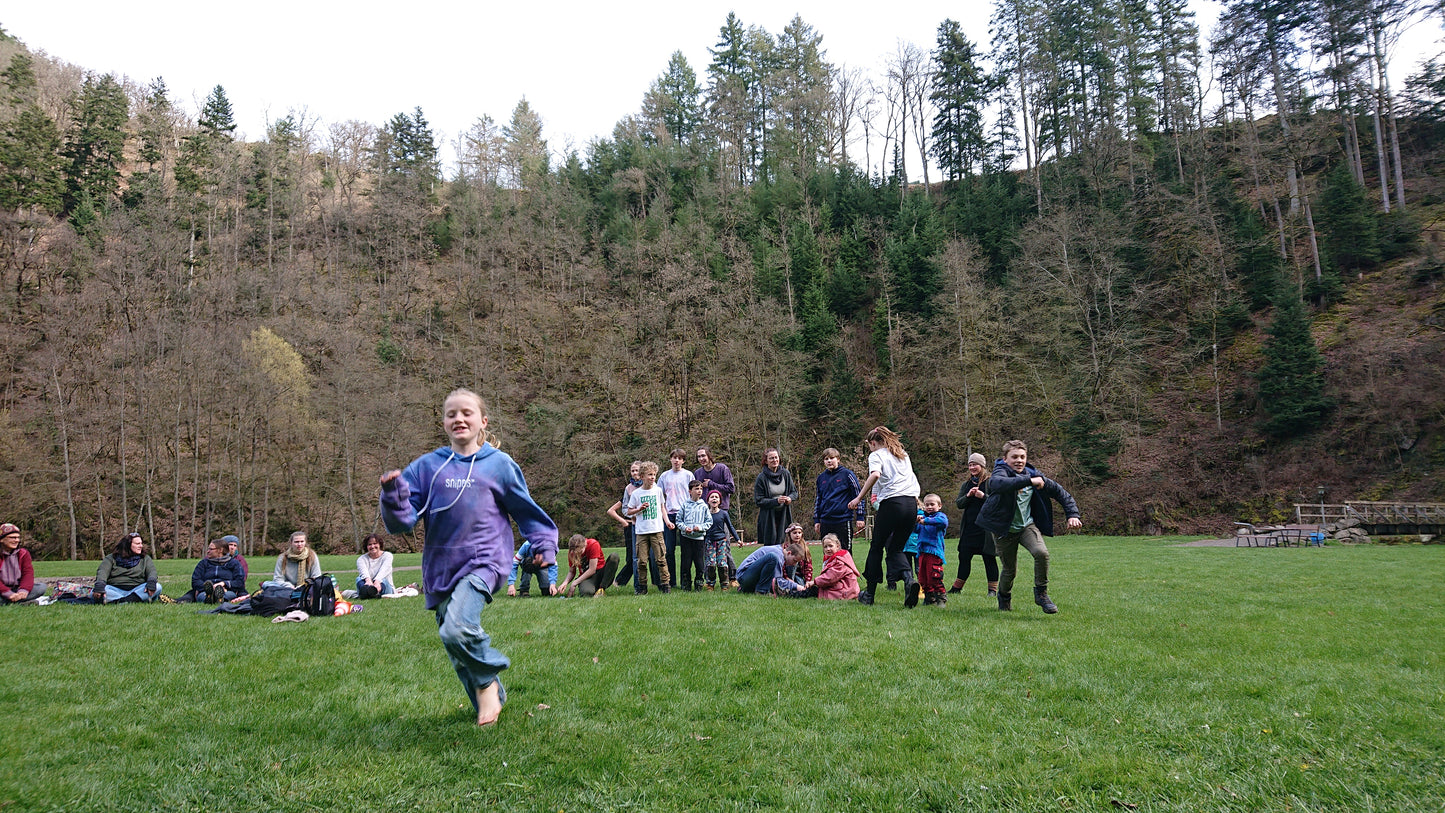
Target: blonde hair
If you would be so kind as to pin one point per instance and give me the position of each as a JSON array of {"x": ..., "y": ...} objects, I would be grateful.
[
  {"x": 487, "y": 436},
  {"x": 576, "y": 542},
  {"x": 889, "y": 439},
  {"x": 647, "y": 467},
  {"x": 834, "y": 538},
  {"x": 1014, "y": 444},
  {"x": 934, "y": 497}
]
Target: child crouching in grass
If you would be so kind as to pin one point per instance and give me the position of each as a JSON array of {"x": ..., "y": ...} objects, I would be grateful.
[
  {"x": 837, "y": 580},
  {"x": 467, "y": 495},
  {"x": 587, "y": 571}
]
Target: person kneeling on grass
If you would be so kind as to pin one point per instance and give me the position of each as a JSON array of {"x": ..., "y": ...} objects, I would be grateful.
[
  {"x": 587, "y": 571},
  {"x": 127, "y": 574},
  {"x": 837, "y": 580},
  {"x": 1017, "y": 512},
  {"x": 767, "y": 564},
  {"x": 217, "y": 578},
  {"x": 17, "y": 573},
  {"x": 523, "y": 564}
]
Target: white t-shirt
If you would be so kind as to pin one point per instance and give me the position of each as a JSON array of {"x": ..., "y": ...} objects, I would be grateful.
[
  {"x": 649, "y": 520},
  {"x": 674, "y": 487},
  {"x": 895, "y": 477}
]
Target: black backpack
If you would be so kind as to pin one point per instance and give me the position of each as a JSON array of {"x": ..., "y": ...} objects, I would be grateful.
[{"x": 318, "y": 595}]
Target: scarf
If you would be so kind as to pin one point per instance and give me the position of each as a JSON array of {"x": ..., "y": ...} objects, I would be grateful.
[
  {"x": 775, "y": 486},
  {"x": 129, "y": 561},
  {"x": 10, "y": 570}
]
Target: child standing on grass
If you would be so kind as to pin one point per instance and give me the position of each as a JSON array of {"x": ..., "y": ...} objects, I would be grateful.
[
  {"x": 588, "y": 573},
  {"x": 719, "y": 534},
  {"x": 646, "y": 506},
  {"x": 467, "y": 495},
  {"x": 1017, "y": 512},
  {"x": 932, "y": 525},
  {"x": 693, "y": 521},
  {"x": 674, "y": 484}
]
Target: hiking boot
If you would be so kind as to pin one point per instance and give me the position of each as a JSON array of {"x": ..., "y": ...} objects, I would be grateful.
[
  {"x": 865, "y": 599},
  {"x": 1041, "y": 598},
  {"x": 1005, "y": 602},
  {"x": 215, "y": 594},
  {"x": 912, "y": 592},
  {"x": 940, "y": 600}
]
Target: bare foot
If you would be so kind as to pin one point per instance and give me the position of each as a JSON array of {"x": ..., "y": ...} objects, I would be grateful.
[{"x": 489, "y": 704}]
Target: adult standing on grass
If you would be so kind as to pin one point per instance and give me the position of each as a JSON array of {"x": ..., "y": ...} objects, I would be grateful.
[
  {"x": 837, "y": 484},
  {"x": 127, "y": 574},
  {"x": 889, "y": 467},
  {"x": 296, "y": 564},
  {"x": 973, "y": 540},
  {"x": 715, "y": 476},
  {"x": 1017, "y": 512},
  {"x": 468, "y": 494},
  {"x": 773, "y": 494},
  {"x": 17, "y": 572}
]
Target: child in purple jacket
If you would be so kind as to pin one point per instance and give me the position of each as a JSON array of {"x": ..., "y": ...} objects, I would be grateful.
[{"x": 468, "y": 496}]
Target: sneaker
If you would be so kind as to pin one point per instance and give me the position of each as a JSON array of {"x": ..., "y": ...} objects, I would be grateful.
[
  {"x": 940, "y": 600},
  {"x": 993, "y": 592},
  {"x": 865, "y": 599},
  {"x": 525, "y": 593},
  {"x": 1041, "y": 598},
  {"x": 910, "y": 599},
  {"x": 599, "y": 594}
]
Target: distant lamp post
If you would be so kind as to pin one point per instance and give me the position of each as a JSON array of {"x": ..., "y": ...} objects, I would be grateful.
[{"x": 1320, "y": 491}]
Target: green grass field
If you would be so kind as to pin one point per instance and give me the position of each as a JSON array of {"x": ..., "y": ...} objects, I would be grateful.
[{"x": 1174, "y": 678}]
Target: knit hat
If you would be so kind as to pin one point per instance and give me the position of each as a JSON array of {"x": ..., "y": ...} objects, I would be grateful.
[
  {"x": 231, "y": 539},
  {"x": 8, "y": 529},
  {"x": 978, "y": 458}
]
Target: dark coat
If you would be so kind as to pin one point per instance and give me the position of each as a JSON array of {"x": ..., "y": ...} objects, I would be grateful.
[
  {"x": 971, "y": 539},
  {"x": 226, "y": 570},
  {"x": 997, "y": 512}
]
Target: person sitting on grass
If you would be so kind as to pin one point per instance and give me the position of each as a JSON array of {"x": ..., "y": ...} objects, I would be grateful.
[
  {"x": 765, "y": 565},
  {"x": 233, "y": 547},
  {"x": 216, "y": 578},
  {"x": 837, "y": 580},
  {"x": 127, "y": 574},
  {"x": 295, "y": 565},
  {"x": 17, "y": 572},
  {"x": 588, "y": 572},
  {"x": 802, "y": 572},
  {"x": 524, "y": 565},
  {"x": 373, "y": 570},
  {"x": 1017, "y": 512}
]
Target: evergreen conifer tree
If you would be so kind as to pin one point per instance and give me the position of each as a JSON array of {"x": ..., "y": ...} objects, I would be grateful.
[{"x": 1292, "y": 382}]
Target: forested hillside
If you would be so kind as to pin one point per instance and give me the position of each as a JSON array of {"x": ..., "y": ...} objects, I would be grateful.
[{"x": 1195, "y": 306}]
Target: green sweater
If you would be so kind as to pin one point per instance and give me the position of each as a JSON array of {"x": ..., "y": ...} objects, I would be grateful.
[{"x": 126, "y": 578}]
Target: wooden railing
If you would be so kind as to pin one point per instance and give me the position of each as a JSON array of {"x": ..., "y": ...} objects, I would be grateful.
[{"x": 1371, "y": 513}]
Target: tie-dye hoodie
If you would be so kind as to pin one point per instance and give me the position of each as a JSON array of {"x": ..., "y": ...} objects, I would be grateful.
[{"x": 467, "y": 505}]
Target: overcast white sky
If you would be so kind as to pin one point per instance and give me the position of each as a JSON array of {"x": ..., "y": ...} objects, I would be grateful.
[{"x": 582, "y": 66}]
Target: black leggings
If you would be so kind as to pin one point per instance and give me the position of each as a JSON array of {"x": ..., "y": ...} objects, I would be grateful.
[
  {"x": 892, "y": 526},
  {"x": 965, "y": 561}
]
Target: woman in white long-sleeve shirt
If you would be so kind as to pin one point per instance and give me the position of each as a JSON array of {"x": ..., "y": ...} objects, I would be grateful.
[{"x": 373, "y": 570}]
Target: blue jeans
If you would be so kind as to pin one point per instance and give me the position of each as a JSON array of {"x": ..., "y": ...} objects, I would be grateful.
[
  {"x": 459, "y": 622},
  {"x": 113, "y": 593}
]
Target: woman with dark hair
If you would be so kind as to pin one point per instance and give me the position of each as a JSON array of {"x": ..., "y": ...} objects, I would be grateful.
[
  {"x": 127, "y": 574},
  {"x": 890, "y": 468},
  {"x": 773, "y": 494},
  {"x": 373, "y": 570}
]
